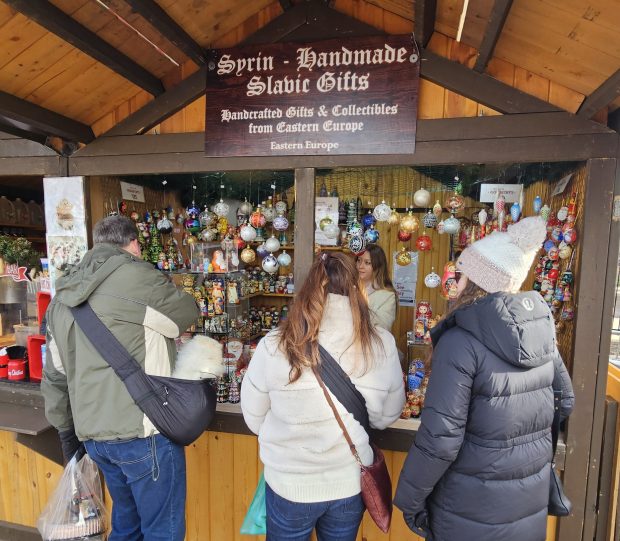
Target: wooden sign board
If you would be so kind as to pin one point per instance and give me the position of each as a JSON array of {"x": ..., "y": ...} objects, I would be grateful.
[{"x": 344, "y": 96}]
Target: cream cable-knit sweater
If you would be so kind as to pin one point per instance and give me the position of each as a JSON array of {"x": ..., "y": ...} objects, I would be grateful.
[{"x": 305, "y": 454}]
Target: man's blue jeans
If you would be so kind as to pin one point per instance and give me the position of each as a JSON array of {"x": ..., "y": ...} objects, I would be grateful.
[
  {"x": 146, "y": 479},
  {"x": 336, "y": 520}
]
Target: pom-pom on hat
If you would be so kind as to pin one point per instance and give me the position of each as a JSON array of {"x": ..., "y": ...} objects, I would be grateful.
[{"x": 501, "y": 261}]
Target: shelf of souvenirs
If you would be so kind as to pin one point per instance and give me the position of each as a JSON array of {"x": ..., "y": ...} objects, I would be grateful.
[
  {"x": 288, "y": 247},
  {"x": 255, "y": 336},
  {"x": 258, "y": 294},
  {"x": 400, "y": 424}
]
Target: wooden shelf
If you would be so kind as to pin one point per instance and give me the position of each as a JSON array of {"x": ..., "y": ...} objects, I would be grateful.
[
  {"x": 284, "y": 295},
  {"x": 24, "y": 226},
  {"x": 334, "y": 249}
]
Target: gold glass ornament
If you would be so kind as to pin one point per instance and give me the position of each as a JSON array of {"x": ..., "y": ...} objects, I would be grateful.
[
  {"x": 403, "y": 258},
  {"x": 409, "y": 223},
  {"x": 325, "y": 222},
  {"x": 394, "y": 218},
  {"x": 248, "y": 255}
]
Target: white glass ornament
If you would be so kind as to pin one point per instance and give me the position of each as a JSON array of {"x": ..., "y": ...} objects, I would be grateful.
[
  {"x": 205, "y": 218},
  {"x": 221, "y": 208},
  {"x": 270, "y": 213},
  {"x": 331, "y": 231},
  {"x": 281, "y": 207},
  {"x": 284, "y": 259},
  {"x": 482, "y": 217},
  {"x": 452, "y": 226},
  {"x": 208, "y": 235},
  {"x": 355, "y": 228},
  {"x": 247, "y": 233},
  {"x": 357, "y": 244},
  {"x": 272, "y": 244},
  {"x": 246, "y": 208},
  {"x": 270, "y": 264},
  {"x": 280, "y": 223},
  {"x": 441, "y": 227},
  {"x": 422, "y": 198},
  {"x": 164, "y": 225},
  {"x": 382, "y": 212},
  {"x": 562, "y": 214},
  {"x": 432, "y": 279}
]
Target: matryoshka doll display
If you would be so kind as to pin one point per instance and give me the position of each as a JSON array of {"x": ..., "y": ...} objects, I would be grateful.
[
  {"x": 448, "y": 281},
  {"x": 423, "y": 315}
]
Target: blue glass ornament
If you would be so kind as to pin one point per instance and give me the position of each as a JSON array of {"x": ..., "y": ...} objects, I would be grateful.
[
  {"x": 371, "y": 235},
  {"x": 515, "y": 211},
  {"x": 548, "y": 245},
  {"x": 368, "y": 220},
  {"x": 537, "y": 204}
]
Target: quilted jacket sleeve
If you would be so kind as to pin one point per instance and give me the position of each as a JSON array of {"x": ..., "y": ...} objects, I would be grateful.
[
  {"x": 562, "y": 382},
  {"x": 444, "y": 418}
]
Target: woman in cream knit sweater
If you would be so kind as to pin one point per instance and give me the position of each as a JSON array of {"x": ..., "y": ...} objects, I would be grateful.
[
  {"x": 373, "y": 270},
  {"x": 312, "y": 479}
]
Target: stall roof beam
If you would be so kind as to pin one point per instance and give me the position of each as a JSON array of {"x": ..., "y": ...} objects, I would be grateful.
[
  {"x": 168, "y": 27},
  {"x": 601, "y": 97},
  {"x": 13, "y": 128},
  {"x": 58, "y": 22},
  {"x": 424, "y": 20},
  {"x": 36, "y": 120},
  {"x": 495, "y": 24}
]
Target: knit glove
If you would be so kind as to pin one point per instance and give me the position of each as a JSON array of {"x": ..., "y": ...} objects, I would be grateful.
[{"x": 71, "y": 445}]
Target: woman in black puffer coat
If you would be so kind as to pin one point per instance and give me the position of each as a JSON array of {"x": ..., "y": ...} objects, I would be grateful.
[{"x": 480, "y": 467}]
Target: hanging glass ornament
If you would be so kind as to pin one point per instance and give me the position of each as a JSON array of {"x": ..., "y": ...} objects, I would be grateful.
[
  {"x": 403, "y": 258},
  {"x": 192, "y": 211},
  {"x": 221, "y": 209},
  {"x": 324, "y": 222},
  {"x": 257, "y": 218},
  {"x": 272, "y": 244},
  {"x": 500, "y": 204},
  {"x": 394, "y": 218},
  {"x": 281, "y": 208},
  {"x": 562, "y": 214},
  {"x": 246, "y": 208},
  {"x": 331, "y": 231},
  {"x": 437, "y": 209},
  {"x": 180, "y": 218},
  {"x": 208, "y": 235},
  {"x": 515, "y": 212},
  {"x": 354, "y": 228},
  {"x": 452, "y": 226},
  {"x": 565, "y": 250},
  {"x": 422, "y": 198},
  {"x": 192, "y": 225},
  {"x": 537, "y": 204},
  {"x": 164, "y": 226},
  {"x": 280, "y": 223},
  {"x": 371, "y": 235},
  {"x": 247, "y": 233},
  {"x": 482, "y": 217},
  {"x": 570, "y": 236},
  {"x": 404, "y": 236},
  {"x": 357, "y": 244},
  {"x": 248, "y": 255},
  {"x": 260, "y": 234},
  {"x": 455, "y": 203},
  {"x": 284, "y": 259},
  {"x": 270, "y": 264},
  {"x": 270, "y": 213},
  {"x": 261, "y": 250},
  {"x": 557, "y": 235},
  {"x": 545, "y": 212},
  {"x": 441, "y": 227},
  {"x": 191, "y": 240},
  {"x": 424, "y": 243},
  {"x": 368, "y": 220},
  {"x": 409, "y": 223},
  {"x": 432, "y": 279},
  {"x": 135, "y": 216},
  {"x": 382, "y": 212},
  {"x": 548, "y": 244},
  {"x": 430, "y": 220}
]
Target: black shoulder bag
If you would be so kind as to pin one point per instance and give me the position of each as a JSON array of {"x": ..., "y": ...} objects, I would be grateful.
[
  {"x": 180, "y": 409},
  {"x": 375, "y": 479},
  {"x": 559, "y": 504}
]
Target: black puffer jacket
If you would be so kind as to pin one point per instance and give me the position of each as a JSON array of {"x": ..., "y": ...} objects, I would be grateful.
[{"x": 479, "y": 468}]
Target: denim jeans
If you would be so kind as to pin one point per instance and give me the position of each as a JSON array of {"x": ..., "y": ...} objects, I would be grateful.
[
  {"x": 335, "y": 520},
  {"x": 146, "y": 479}
]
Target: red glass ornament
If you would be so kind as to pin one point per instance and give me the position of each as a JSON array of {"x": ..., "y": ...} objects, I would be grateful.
[
  {"x": 404, "y": 236},
  {"x": 424, "y": 243}
]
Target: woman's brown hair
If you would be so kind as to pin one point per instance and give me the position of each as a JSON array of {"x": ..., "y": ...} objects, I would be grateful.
[
  {"x": 470, "y": 294},
  {"x": 299, "y": 334},
  {"x": 380, "y": 274}
]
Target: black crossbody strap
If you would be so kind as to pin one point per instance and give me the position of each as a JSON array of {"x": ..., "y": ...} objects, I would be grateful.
[
  {"x": 341, "y": 386},
  {"x": 106, "y": 344}
]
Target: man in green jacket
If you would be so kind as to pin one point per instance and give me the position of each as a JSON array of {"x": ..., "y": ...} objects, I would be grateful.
[{"x": 87, "y": 402}]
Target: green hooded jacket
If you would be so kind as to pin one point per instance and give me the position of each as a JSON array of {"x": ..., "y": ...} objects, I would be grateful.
[{"x": 142, "y": 309}]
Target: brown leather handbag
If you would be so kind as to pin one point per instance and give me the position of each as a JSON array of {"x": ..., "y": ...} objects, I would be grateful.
[{"x": 375, "y": 479}]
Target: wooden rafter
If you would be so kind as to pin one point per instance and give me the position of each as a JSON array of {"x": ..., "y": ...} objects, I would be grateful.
[
  {"x": 601, "y": 97},
  {"x": 168, "y": 27},
  {"x": 16, "y": 129},
  {"x": 30, "y": 118},
  {"x": 495, "y": 24},
  {"x": 68, "y": 29},
  {"x": 424, "y": 20}
]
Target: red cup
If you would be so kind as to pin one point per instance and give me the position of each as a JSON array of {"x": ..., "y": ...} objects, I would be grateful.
[
  {"x": 4, "y": 366},
  {"x": 17, "y": 369}
]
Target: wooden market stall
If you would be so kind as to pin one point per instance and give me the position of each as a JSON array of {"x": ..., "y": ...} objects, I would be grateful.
[{"x": 482, "y": 100}]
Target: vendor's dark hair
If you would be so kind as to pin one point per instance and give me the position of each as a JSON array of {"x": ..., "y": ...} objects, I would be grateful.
[
  {"x": 331, "y": 272},
  {"x": 117, "y": 230},
  {"x": 380, "y": 273}
]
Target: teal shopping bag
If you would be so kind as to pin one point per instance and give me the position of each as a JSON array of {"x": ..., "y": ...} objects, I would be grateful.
[{"x": 255, "y": 521}]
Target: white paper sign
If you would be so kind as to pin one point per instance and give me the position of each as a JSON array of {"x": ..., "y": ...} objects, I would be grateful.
[
  {"x": 490, "y": 192},
  {"x": 405, "y": 279},
  {"x": 325, "y": 207},
  {"x": 561, "y": 184},
  {"x": 132, "y": 192}
]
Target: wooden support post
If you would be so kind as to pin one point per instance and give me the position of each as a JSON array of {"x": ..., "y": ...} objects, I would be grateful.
[
  {"x": 592, "y": 328},
  {"x": 304, "y": 224},
  {"x": 607, "y": 465}
]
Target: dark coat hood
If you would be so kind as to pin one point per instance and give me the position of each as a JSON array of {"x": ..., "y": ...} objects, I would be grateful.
[{"x": 518, "y": 328}]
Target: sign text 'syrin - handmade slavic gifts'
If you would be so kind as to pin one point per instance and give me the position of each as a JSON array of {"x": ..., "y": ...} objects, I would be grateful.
[{"x": 345, "y": 96}]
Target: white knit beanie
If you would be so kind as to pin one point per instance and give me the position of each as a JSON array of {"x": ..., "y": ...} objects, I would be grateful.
[{"x": 501, "y": 261}]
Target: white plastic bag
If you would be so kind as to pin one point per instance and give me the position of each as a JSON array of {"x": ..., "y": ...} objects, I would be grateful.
[{"x": 75, "y": 510}]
